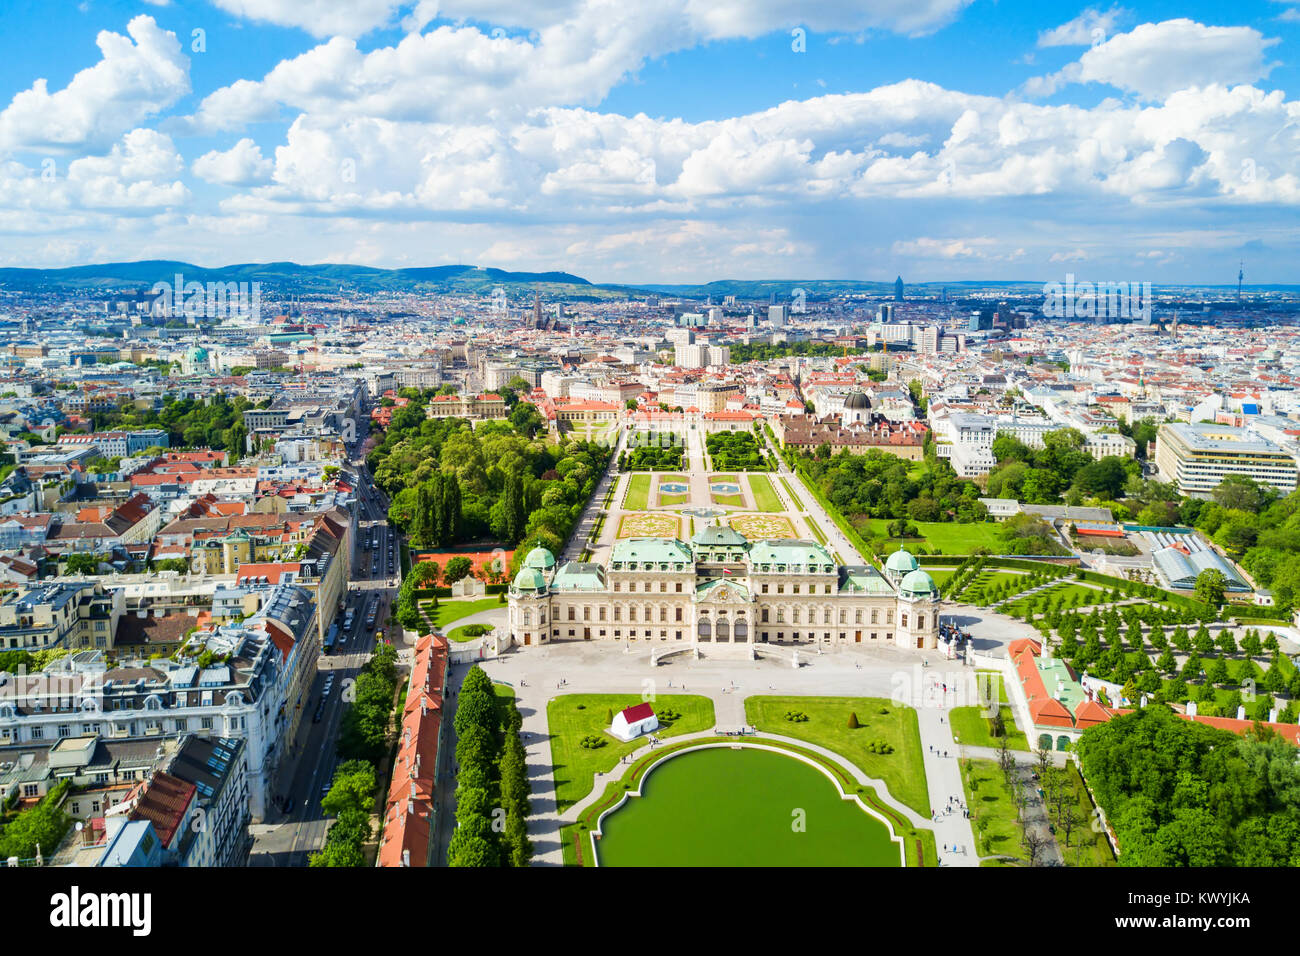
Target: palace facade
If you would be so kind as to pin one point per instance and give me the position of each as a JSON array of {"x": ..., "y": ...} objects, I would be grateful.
[{"x": 722, "y": 589}]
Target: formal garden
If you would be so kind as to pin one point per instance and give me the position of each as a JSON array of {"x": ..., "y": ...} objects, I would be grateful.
[
  {"x": 757, "y": 527},
  {"x": 855, "y": 728},
  {"x": 649, "y": 525},
  {"x": 572, "y": 717}
]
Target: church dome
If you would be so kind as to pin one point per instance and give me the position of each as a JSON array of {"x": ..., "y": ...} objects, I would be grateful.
[
  {"x": 918, "y": 584},
  {"x": 540, "y": 558},
  {"x": 857, "y": 400},
  {"x": 197, "y": 353},
  {"x": 529, "y": 579},
  {"x": 901, "y": 562}
]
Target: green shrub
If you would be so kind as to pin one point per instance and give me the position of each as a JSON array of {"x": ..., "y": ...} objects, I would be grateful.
[{"x": 853, "y": 721}]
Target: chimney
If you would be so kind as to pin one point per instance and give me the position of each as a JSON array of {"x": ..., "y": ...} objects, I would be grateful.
[{"x": 406, "y": 858}]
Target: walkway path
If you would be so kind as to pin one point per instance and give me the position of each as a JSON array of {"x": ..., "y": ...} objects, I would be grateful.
[{"x": 595, "y": 506}]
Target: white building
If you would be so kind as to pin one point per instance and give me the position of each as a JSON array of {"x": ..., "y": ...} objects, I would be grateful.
[{"x": 632, "y": 722}]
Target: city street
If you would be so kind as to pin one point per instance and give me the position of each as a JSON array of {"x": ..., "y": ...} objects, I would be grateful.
[{"x": 296, "y": 828}]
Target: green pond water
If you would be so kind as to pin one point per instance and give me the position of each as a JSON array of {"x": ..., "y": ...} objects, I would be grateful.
[{"x": 746, "y": 807}]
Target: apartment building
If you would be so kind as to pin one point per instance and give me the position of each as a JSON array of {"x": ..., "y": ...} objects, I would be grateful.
[
  {"x": 1196, "y": 457},
  {"x": 63, "y": 614}
]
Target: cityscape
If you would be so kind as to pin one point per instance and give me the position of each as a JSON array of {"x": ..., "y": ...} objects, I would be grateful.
[{"x": 413, "y": 457}]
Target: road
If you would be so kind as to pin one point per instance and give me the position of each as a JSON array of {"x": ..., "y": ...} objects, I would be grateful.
[{"x": 296, "y": 827}]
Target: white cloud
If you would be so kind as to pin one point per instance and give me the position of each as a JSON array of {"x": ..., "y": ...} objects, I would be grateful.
[
  {"x": 714, "y": 19},
  {"x": 135, "y": 178},
  {"x": 1208, "y": 145},
  {"x": 241, "y": 165},
  {"x": 1087, "y": 29},
  {"x": 985, "y": 248},
  {"x": 320, "y": 18},
  {"x": 138, "y": 76},
  {"x": 577, "y": 53},
  {"x": 1155, "y": 60}
]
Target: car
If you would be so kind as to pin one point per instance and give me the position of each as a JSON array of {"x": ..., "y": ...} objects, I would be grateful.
[{"x": 320, "y": 712}]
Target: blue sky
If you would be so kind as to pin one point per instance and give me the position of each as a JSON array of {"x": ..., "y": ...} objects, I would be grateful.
[{"x": 939, "y": 139}]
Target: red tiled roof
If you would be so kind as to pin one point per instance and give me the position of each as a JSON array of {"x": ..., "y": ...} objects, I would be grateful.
[
  {"x": 163, "y": 801},
  {"x": 408, "y": 809},
  {"x": 638, "y": 712}
]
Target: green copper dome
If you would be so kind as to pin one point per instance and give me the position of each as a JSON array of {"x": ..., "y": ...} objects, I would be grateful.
[
  {"x": 529, "y": 579},
  {"x": 917, "y": 584},
  {"x": 540, "y": 558},
  {"x": 901, "y": 562}
]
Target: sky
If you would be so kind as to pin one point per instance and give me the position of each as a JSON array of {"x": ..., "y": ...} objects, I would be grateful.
[{"x": 670, "y": 141}]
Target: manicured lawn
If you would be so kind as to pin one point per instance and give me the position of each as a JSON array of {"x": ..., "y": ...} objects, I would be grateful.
[
  {"x": 993, "y": 811},
  {"x": 939, "y": 576},
  {"x": 458, "y": 635},
  {"x": 448, "y": 611},
  {"x": 953, "y": 538},
  {"x": 728, "y": 807},
  {"x": 978, "y": 590},
  {"x": 638, "y": 493},
  {"x": 902, "y": 771},
  {"x": 1068, "y": 593},
  {"x": 571, "y": 717},
  {"x": 729, "y": 501},
  {"x": 765, "y": 497},
  {"x": 970, "y": 726},
  {"x": 1088, "y": 847}
]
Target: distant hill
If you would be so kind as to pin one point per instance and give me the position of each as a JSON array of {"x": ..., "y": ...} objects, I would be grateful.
[{"x": 294, "y": 277}]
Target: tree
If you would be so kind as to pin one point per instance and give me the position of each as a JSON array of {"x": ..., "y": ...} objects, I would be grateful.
[
  {"x": 457, "y": 568},
  {"x": 514, "y": 515},
  {"x": 1210, "y": 587},
  {"x": 472, "y": 850},
  {"x": 853, "y": 720},
  {"x": 82, "y": 563}
]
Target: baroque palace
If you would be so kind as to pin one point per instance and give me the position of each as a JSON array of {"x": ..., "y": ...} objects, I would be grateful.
[{"x": 722, "y": 589}]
